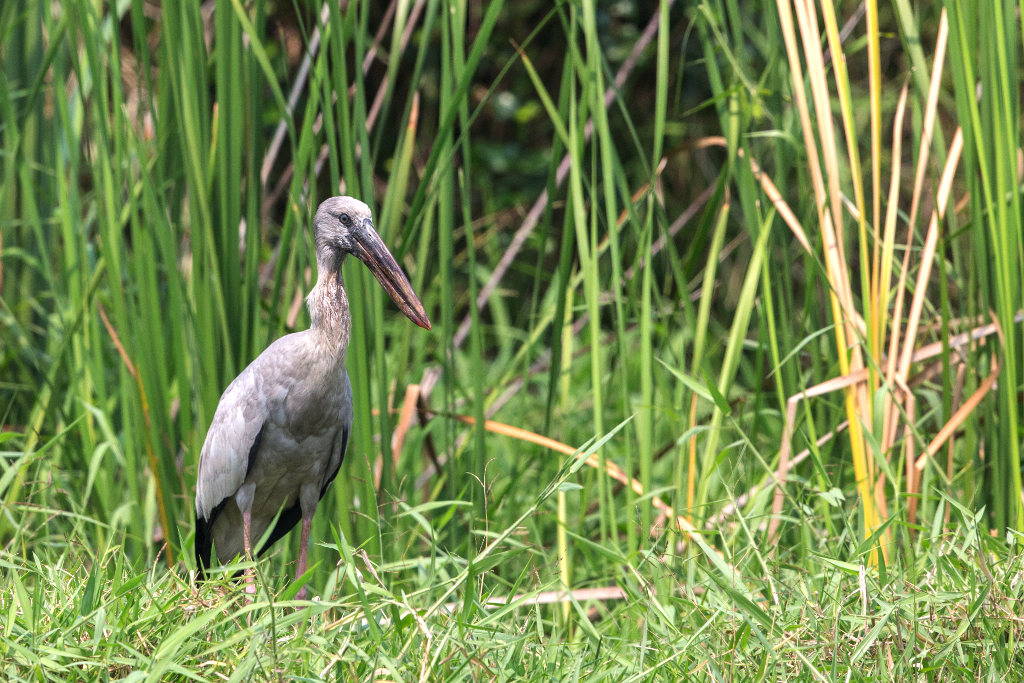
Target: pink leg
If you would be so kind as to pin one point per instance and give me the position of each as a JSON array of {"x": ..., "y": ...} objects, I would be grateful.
[
  {"x": 300, "y": 566},
  {"x": 250, "y": 586}
]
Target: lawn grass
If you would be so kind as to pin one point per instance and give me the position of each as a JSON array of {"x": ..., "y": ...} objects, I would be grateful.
[
  {"x": 950, "y": 611},
  {"x": 714, "y": 390}
]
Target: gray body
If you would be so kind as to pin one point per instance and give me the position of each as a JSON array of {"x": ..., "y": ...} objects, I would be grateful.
[{"x": 294, "y": 404}]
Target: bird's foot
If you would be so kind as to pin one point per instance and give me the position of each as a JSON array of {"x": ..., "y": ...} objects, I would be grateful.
[{"x": 250, "y": 586}]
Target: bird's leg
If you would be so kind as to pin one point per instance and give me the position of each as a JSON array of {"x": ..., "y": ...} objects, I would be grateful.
[
  {"x": 244, "y": 498},
  {"x": 250, "y": 585},
  {"x": 300, "y": 566}
]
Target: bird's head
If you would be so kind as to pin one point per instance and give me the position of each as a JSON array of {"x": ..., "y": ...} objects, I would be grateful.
[{"x": 343, "y": 225}]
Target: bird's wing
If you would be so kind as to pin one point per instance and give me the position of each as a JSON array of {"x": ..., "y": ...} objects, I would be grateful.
[
  {"x": 340, "y": 445},
  {"x": 228, "y": 452}
]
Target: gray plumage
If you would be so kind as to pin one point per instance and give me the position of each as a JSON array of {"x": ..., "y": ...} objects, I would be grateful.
[{"x": 280, "y": 430}]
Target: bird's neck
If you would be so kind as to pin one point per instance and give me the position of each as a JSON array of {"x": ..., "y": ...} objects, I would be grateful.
[{"x": 328, "y": 311}]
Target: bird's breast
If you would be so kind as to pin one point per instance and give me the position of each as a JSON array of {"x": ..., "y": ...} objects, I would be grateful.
[{"x": 309, "y": 401}]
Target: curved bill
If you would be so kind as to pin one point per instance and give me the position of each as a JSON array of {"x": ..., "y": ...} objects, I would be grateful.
[{"x": 370, "y": 249}]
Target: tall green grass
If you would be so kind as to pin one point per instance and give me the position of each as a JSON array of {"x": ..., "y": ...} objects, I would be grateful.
[
  {"x": 615, "y": 216},
  {"x": 984, "y": 46}
]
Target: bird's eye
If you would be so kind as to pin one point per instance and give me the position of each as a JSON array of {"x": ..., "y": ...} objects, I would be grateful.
[{"x": 345, "y": 219}]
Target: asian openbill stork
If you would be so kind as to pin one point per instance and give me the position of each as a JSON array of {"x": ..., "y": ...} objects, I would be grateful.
[{"x": 280, "y": 430}]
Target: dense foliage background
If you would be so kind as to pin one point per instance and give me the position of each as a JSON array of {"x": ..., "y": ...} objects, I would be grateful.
[{"x": 737, "y": 286}]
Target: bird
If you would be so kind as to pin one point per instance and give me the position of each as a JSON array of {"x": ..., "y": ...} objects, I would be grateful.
[{"x": 279, "y": 434}]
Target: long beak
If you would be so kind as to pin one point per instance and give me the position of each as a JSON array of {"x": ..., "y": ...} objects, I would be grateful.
[{"x": 370, "y": 249}]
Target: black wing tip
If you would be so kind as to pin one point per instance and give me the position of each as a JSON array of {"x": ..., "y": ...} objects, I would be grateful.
[
  {"x": 286, "y": 521},
  {"x": 203, "y": 546}
]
